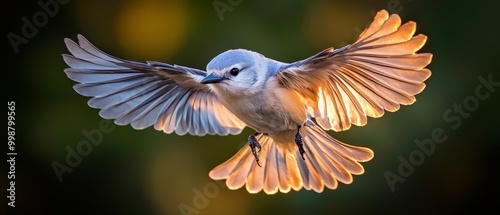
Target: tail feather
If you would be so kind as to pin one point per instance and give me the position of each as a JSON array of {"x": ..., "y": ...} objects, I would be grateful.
[
  {"x": 327, "y": 169},
  {"x": 271, "y": 177},
  {"x": 327, "y": 162},
  {"x": 292, "y": 168},
  {"x": 239, "y": 174},
  {"x": 255, "y": 180}
]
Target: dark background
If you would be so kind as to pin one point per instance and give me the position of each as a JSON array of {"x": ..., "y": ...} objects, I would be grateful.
[{"x": 149, "y": 172}]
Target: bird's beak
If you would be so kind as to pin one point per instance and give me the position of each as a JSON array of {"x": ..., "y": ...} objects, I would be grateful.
[{"x": 210, "y": 79}]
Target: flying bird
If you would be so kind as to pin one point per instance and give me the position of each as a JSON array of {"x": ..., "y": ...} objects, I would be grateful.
[{"x": 289, "y": 105}]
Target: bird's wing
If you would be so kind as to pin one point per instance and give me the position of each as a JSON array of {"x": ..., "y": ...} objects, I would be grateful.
[
  {"x": 169, "y": 97},
  {"x": 378, "y": 72}
]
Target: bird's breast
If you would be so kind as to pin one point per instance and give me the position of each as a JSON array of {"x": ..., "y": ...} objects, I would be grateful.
[{"x": 271, "y": 111}]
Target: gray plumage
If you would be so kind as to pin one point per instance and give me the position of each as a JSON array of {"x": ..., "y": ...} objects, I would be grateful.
[{"x": 336, "y": 88}]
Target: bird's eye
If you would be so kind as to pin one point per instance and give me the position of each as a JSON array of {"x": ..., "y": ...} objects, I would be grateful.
[{"x": 234, "y": 71}]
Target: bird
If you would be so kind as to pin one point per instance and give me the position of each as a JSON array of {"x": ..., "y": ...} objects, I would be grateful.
[{"x": 290, "y": 106}]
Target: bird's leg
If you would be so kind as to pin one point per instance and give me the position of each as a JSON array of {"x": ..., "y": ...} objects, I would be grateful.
[
  {"x": 300, "y": 143},
  {"x": 253, "y": 143}
]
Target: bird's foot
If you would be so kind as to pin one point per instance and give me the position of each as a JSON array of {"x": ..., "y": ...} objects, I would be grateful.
[
  {"x": 300, "y": 142},
  {"x": 253, "y": 143}
]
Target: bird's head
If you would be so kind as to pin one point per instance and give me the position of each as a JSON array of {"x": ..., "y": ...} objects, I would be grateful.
[{"x": 236, "y": 72}]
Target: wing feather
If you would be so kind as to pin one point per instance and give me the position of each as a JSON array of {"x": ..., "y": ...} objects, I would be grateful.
[
  {"x": 168, "y": 97},
  {"x": 378, "y": 73}
]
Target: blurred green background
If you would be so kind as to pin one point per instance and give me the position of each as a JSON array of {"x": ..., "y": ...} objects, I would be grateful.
[{"x": 149, "y": 172}]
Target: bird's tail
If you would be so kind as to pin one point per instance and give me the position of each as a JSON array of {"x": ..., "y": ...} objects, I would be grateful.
[{"x": 326, "y": 162}]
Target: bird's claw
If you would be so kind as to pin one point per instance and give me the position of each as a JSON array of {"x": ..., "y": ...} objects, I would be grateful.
[
  {"x": 300, "y": 143},
  {"x": 253, "y": 143}
]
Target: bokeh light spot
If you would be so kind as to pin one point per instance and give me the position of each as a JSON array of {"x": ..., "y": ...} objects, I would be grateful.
[
  {"x": 331, "y": 23},
  {"x": 151, "y": 28}
]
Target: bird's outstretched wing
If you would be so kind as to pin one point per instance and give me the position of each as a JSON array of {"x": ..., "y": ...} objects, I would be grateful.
[
  {"x": 169, "y": 97},
  {"x": 378, "y": 72}
]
